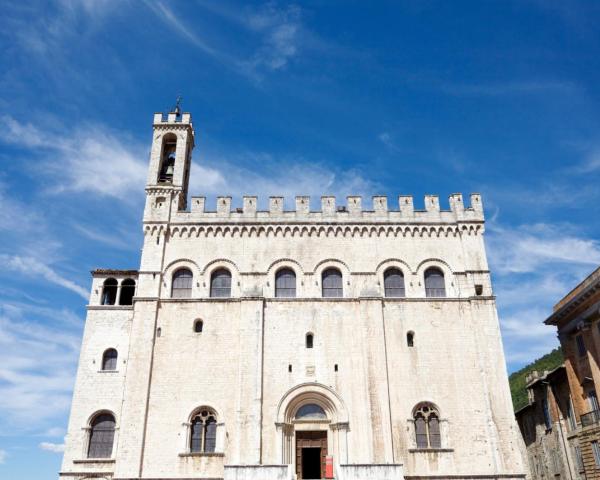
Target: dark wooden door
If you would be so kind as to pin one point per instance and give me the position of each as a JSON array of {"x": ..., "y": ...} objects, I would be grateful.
[{"x": 310, "y": 439}]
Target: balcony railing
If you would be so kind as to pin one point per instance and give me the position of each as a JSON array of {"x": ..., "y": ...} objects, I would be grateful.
[{"x": 590, "y": 418}]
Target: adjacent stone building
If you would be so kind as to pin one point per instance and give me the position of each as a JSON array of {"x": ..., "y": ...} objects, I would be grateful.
[
  {"x": 545, "y": 423},
  {"x": 577, "y": 318},
  {"x": 291, "y": 343}
]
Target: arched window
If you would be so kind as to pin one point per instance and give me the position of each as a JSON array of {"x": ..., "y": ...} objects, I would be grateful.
[
  {"x": 102, "y": 435},
  {"x": 310, "y": 411},
  {"x": 109, "y": 291},
  {"x": 393, "y": 281},
  {"x": 410, "y": 339},
  {"x": 220, "y": 283},
  {"x": 167, "y": 165},
  {"x": 309, "y": 340},
  {"x": 182, "y": 283},
  {"x": 427, "y": 426},
  {"x": 109, "y": 359},
  {"x": 203, "y": 438},
  {"x": 434, "y": 283},
  {"x": 127, "y": 292},
  {"x": 332, "y": 283},
  {"x": 285, "y": 283},
  {"x": 198, "y": 326}
]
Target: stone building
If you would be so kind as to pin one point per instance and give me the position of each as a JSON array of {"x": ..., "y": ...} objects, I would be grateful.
[
  {"x": 545, "y": 423},
  {"x": 292, "y": 343},
  {"x": 577, "y": 318}
]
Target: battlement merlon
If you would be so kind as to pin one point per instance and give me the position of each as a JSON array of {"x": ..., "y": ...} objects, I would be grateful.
[
  {"x": 351, "y": 212},
  {"x": 172, "y": 118}
]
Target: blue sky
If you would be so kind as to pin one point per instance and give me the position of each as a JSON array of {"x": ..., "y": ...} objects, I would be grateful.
[{"x": 497, "y": 97}]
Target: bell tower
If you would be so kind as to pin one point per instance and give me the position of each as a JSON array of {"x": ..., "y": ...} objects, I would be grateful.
[{"x": 170, "y": 162}]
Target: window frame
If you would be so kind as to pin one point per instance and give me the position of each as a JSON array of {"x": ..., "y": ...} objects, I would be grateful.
[
  {"x": 100, "y": 443},
  {"x": 285, "y": 291},
  {"x": 175, "y": 277},
  {"x": 207, "y": 420},
  {"x": 106, "y": 359},
  {"x": 427, "y": 437},
  {"x": 220, "y": 291},
  {"x": 434, "y": 291},
  {"x": 337, "y": 290},
  {"x": 388, "y": 291}
]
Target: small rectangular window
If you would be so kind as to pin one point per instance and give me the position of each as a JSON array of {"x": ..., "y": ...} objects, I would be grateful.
[
  {"x": 579, "y": 459},
  {"x": 547, "y": 419},
  {"x": 571, "y": 415},
  {"x": 593, "y": 400},
  {"x": 478, "y": 290},
  {"x": 596, "y": 450},
  {"x": 580, "y": 345}
]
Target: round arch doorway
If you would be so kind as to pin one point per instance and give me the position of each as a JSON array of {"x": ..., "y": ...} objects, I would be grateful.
[{"x": 312, "y": 424}]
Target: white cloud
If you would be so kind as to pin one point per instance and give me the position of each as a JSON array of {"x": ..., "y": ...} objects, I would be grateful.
[
  {"x": 288, "y": 178},
  {"x": 526, "y": 248},
  {"x": 168, "y": 16},
  {"x": 3, "y": 455},
  {"x": 91, "y": 159},
  {"x": 34, "y": 268},
  {"x": 281, "y": 30},
  {"x": 53, "y": 447},
  {"x": 38, "y": 368}
]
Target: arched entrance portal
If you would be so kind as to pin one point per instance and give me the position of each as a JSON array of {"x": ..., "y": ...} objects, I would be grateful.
[{"x": 312, "y": 423}]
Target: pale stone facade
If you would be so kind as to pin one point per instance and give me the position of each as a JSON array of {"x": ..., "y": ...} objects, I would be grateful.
[{"x": 251, "y": 367}]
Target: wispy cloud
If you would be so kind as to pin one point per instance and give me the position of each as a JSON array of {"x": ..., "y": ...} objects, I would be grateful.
[
  {"x": 525, "y": 248},
  {"x": 53, "y": 447},
  {"x": 534, "y": 266},
  {"x": 34, "y": 268},
  {"x": 281, "y": 30},
  {"x": 3, "y": 455},
  {"x": 278, "y": 176},
  {"x": 38, "y": 368},
  {"x": 388, "y": 142},
  {"x": 92, "y": 159},
  {"x": 273, "y": 35},
  {"x": 168, "y": 16}
]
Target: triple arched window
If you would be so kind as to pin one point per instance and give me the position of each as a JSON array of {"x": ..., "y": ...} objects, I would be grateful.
[
  {"x": 203, "y": 432},
  {"x": 427, "y": 426},
  {"x": 285, "y": 283},
  {"x": 102, "y": 436},
  {"x": 332, "y": 283},
  {"x": 393, "y": 281},
  {"x": 220, "y": 283},
  {"x": 434, "y": 283}
]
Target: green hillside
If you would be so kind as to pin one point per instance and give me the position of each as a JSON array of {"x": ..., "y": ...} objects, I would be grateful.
[{"x": 517, "y": 379}]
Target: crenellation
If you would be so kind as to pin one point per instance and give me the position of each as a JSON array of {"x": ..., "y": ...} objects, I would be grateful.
[
  {"x": 380, "y": 205},
  {"x": 302, "y": 205},
  {"x": 476, "y": 203},
  {"x": 407, "y": 207},
  {"x": 223, "y": 206},
  {"x": 354, "y": 205},
  {"x": 456, "y": 204},
  {"x": 328, "y": 205},
  {"x": 329, "y": 211},
  {"x": 198, "y": 204},
  {"x": 249, "y": 207},
  {"x": 432, "y": 204},
  {"x": 275, "y": 205}
]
